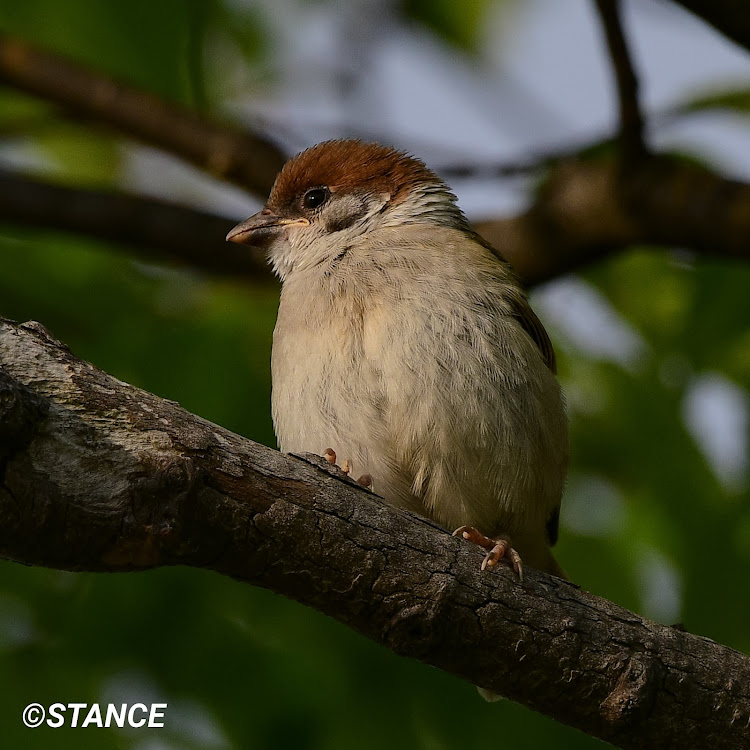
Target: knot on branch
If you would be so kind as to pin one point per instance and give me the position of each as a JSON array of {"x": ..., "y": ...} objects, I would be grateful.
[
  {"x": 633, "y": 695},
  {"x": 166, "y": 482},
  {"x": 420, "y": 627},
  {"x": 21, "y": 411},
  {"x": 153, "y": 533}
]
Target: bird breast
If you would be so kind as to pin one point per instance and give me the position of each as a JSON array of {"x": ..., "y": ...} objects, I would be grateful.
[{"x": 405, "y": 358}]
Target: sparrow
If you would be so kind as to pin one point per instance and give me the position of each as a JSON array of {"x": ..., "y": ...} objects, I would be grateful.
[{"x": 405, "y": 343}]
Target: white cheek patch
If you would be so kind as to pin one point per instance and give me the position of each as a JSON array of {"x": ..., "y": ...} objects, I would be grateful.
[{"x": 340, "y": 222}]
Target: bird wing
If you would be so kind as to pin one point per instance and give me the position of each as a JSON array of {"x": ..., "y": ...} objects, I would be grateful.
[{"x": 523, "y": 313}]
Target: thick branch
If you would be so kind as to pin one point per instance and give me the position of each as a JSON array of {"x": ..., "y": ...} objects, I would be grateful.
[
  {"x": 730, "y": 17},
  {"x": 228, "y": 153},
  {"x": 98, "y": 475},
  {"x": 155, "y": 230},
  {"x": 631, "y": 120}
]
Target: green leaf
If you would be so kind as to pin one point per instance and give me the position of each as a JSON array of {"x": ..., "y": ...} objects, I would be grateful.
[{"x": 735, "y": 99}]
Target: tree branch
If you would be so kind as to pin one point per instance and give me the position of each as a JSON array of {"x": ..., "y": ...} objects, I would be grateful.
[
  {"x": 578, "y": 218},
  {"x": 98, "y": 475},
  {"x": 155, "y": 230},
  {"x": 582, "y": 214},
  {"x": 586, "y": 211},
  {"x": 225, "y": 152},
  {"x": 631, "y": 120},
  {"x": 730, "y": 17}
]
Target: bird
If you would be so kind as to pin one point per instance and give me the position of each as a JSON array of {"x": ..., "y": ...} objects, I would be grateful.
[{"x": 405, "y": 342}]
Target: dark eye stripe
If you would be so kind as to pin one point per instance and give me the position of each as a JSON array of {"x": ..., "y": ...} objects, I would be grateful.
[{"x": 338, "y": 220}]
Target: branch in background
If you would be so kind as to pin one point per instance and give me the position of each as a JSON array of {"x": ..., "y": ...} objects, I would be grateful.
[
  {"x": 98, "y": 475},
  {"x": 228, "y": 153},
  {"x": 730, "y": 17},
  {"x": 577, "y": 219},
  {"x": 529, "y": 166},
  {"x": 579, "y": 216},
  {"x": 155, "y": 230},
  {"x": 631, "y": 120}
]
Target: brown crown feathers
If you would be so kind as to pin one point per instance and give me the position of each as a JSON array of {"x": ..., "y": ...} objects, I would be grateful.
[{"x": 350, "y": 165}]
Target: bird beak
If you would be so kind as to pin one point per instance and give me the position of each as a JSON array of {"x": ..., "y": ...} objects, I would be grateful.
[{"x": 261, "y": 228}]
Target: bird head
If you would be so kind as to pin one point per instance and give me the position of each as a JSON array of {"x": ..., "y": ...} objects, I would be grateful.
[{"x": 328, "y": 197}]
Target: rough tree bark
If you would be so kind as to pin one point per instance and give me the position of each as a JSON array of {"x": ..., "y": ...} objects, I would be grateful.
[{"x": 98, "y": 475}]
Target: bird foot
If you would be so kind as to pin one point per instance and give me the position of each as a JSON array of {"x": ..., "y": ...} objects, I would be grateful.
[
  {"x": 365, "y": 480},
  {"x": 498, "y": 548}
]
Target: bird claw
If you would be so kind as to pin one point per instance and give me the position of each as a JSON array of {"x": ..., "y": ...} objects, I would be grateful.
[
  {"x": 330, "y": 455},
  {"x": 366, "y": 481},
  {"x": 498, "y": 549},
  {"x": 346, "y": 467},
  {"x": 503, "y": 550}
]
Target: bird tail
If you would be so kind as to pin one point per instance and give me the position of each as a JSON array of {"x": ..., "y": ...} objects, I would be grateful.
[{"x": 488, "y": 695}]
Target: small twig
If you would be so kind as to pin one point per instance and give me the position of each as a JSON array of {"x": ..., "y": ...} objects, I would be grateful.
[
  {"x": 492, "y": 171},
  {"x": 524, "y": 166},
  {"x": 631, "y": 119}
]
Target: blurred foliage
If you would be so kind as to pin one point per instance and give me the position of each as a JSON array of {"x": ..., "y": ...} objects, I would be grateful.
[
  {"x": 458, "y": 22},
  {"x": 154, "y": 45},
  {"x": 733, "y": 100},
  {"x": 241, "y": 667}
]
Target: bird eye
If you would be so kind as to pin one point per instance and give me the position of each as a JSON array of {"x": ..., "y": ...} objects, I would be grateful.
[{"x": 315, "y": 197}]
